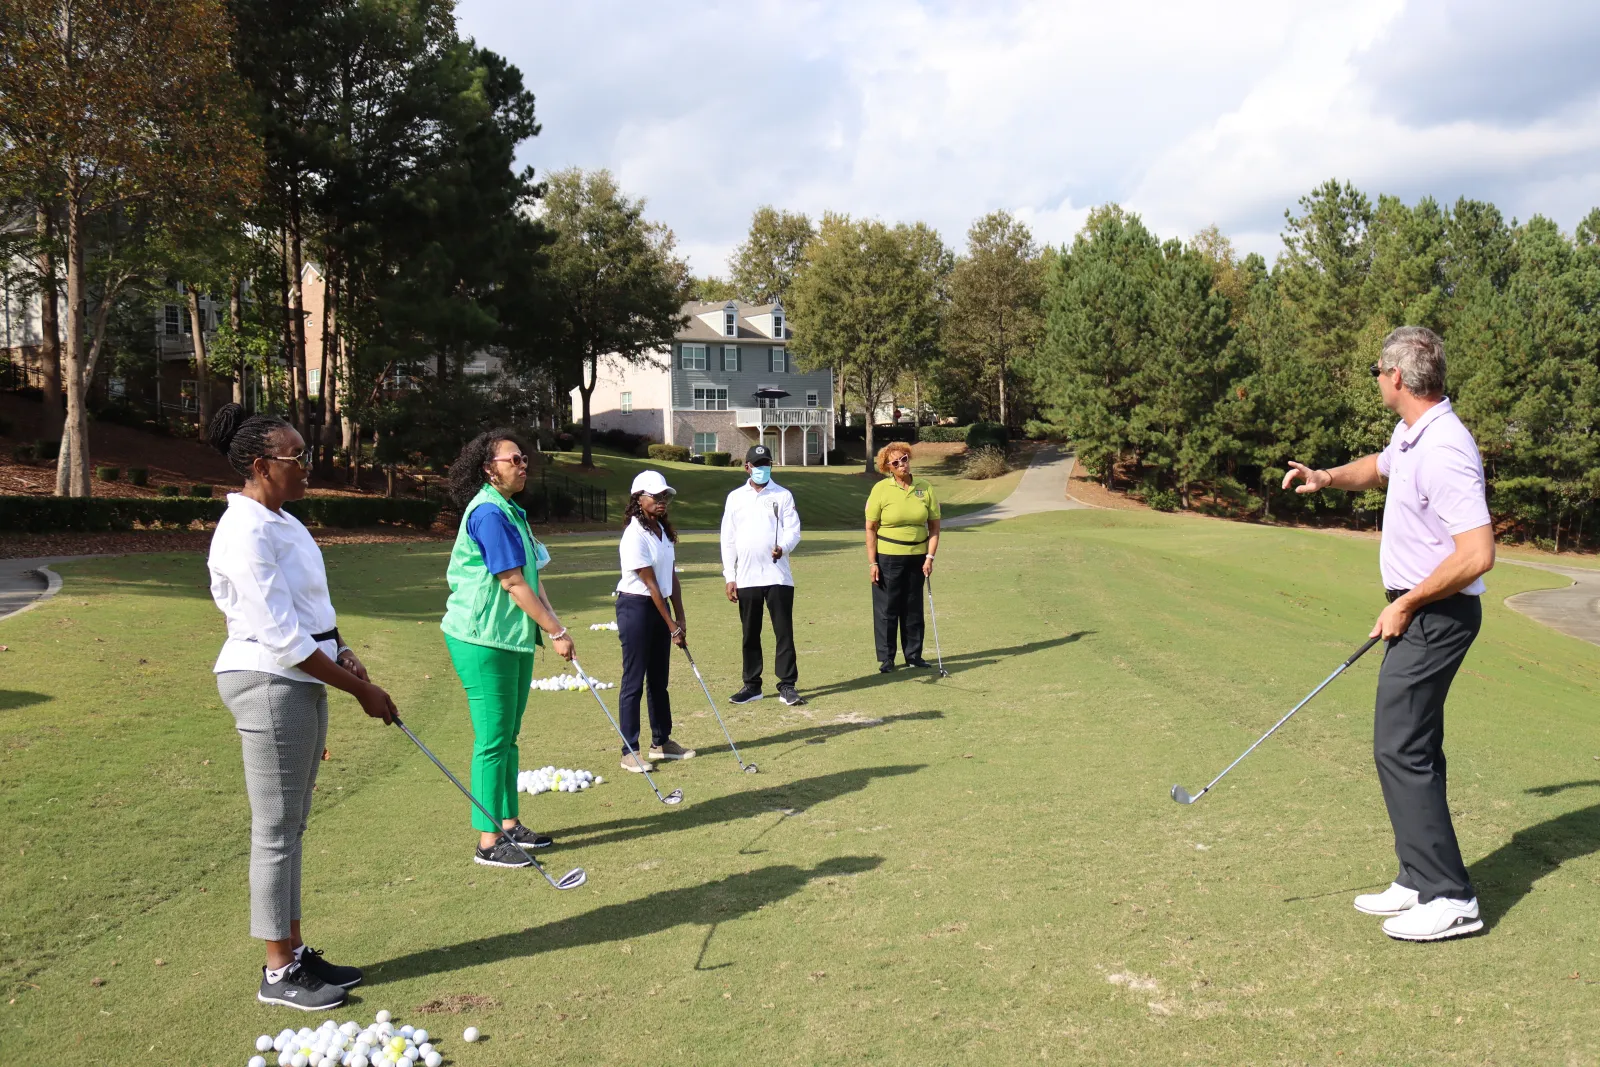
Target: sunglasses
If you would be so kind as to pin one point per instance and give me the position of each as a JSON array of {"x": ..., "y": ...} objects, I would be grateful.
[
  {"x": 903, "y": 461},
  {"x": 518, "y": 460},
  {"x": 1376, "y": 370},
  {"x": 303, "y": 459}
]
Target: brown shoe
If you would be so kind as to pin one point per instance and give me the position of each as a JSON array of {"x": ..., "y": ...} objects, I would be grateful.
[
  {"x": 670, "y": 749},
  {"x": 632, "y": 762}
]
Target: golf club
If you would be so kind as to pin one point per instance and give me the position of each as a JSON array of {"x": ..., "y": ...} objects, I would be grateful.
[
  {"x": 674, "y": 797},
  {"x": 1181, "y": 795},
  {"x": 571, "y": 880},
  {"x": 748, "y": 768},
  {"x": 933, "y": 614}
]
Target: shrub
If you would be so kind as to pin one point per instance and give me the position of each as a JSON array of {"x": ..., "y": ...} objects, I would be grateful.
[
  {"x": 900, "y": 431},
  {"x": 169, "y": 490},
  {"x": 1037, "y": 430},
  {"x": 987, "y": 435},
  {"x": 23, "y": 454},
  {"x": 348, "y": 512},
  {"x": 562, "y": 503},
  {"x": 139, "y": 475},
  {"x": 840, "y": 458},
  {"x": 108, "y": 474},
  {"x": 719, "y": 459},
  {"x": 1161, "y": 499},
  {"x": 44, "y": 514},
  {"x": 984, "y": 463},
  {"x": 945, "y": 435},
  {"x": 565, "y": 442},
  {"x": 48, "y": 451},
  {"x": 203, "y": 491},
  {"x": 673, "y": 453}
]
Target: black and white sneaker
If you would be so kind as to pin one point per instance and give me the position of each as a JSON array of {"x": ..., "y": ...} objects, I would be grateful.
[
  {"x": 789, "y": 696},
  {"x": 746, "y": 695},
  {"x": 885, "y": 668},
  {"x": 501, "y": 854},
  {"x": 920, "y": 664},
  {"x": 313, "y": 962},
  {"x": 527, "y": 838},
  {"x": 299, "y": 988}
]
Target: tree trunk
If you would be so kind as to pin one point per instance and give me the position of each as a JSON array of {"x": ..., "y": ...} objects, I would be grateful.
[
  {"x": 355, "y": 455},
  {"x": 236, "y": 323},
  {"x": 297, "y": 299},
  {"x": 330, "y": 366},
  {"x": 1004, "y": 420},
  {"x": 202, "y": 373},
  {"x": 49, "y": 326},
  {"x": 288, "y": 322},
  {"x": 587, "y": 391},
  {"x": 75, "y": 428}
]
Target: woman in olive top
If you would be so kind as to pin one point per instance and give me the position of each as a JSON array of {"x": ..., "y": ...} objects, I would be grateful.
[
  {"x": 902, "y": 538},
  {"x": 492, "y": 625}
]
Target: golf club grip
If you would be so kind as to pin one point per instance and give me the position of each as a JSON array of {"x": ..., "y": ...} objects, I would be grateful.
[{"x": 1362, "y": 651}]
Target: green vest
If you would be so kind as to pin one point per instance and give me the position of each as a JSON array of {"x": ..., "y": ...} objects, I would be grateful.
[{"x": 479, "y": 611}]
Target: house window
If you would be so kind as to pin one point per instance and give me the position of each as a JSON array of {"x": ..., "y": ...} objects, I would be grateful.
[
  {"x": 780, "y": 361},
  {"x": 694, "y": 357},
  {"x": 188, "y": 389},
  {"x": 704, "y": 442},
  {"x": 767, "y": 401},
  {"x": 627, "y": 403},
  {"x": 811, "y": 399},
  {"x": 173, "y": 320},
  {"x": 314, "y": 382},
  {"x": 117, "y": 387},
  {"x": 813, "y": 443},
  {"x": 707, "y": 398},
  {"x": 730, "y": 357},
  {"x": 777, "y": 322},
  {"x": 730, "y": 320}
]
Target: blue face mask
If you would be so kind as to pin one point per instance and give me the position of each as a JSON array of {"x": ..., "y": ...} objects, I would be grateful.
[
  {"x": 541, "y": 556},
  {"x": 761, "y": 475}
]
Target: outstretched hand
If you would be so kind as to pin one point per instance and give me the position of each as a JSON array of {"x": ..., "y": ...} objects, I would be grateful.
[{"x": 1314, "y": 479}]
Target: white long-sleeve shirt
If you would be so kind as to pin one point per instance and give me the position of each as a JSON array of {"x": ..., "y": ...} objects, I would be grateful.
[
  {"x": 749, "y": 530},
  {"x": 268, "y": 579}
]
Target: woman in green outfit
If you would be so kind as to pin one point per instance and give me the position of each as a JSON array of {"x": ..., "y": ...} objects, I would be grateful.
[
  {"x": 902, "y": 538},
  {"x": 494, "y": 620}
]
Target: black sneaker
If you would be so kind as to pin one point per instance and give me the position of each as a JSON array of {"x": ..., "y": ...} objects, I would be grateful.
[
  {"x": 920, "y": 664},
  {"x": 746, "y": 695},
  {"x": 299, "y": 988},
  {"x": 885, "y": 668},
  {"x": 333, "y": 974},
  {"x": 501, "y": 854},
  {"x": 527, "y": 838},
  {"x": 789, "y": 696}
]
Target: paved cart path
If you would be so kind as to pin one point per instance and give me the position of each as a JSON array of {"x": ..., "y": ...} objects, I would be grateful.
[
  {"x": 1574, "y": 610},
  {"x": 26, "y": 582},
  {"x": 1043, "y": 488}
]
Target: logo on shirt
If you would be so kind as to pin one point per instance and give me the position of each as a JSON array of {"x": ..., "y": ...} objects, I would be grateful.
[{"x": 917, "y": 493}]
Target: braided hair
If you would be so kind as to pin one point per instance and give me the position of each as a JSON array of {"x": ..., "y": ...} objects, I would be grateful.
[
  {"x": 243, "y": 438},
  {"x": 466, "y": 473},
  {"x": 636, "y": 512}
]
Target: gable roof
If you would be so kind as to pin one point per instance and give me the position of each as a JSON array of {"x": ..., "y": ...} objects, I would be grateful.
[{"x": 697, "y": 330}]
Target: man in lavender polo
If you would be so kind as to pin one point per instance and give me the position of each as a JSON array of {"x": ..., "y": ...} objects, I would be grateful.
[{"x": 1437, "y": 545}]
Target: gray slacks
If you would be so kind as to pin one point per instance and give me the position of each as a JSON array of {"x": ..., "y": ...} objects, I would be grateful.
[
  {"x": 283, "y": 725},
  {"x": 1408, "y": 745}
]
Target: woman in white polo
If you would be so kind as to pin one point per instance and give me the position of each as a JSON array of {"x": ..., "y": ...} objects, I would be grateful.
[{"x": 647, "y": 596}]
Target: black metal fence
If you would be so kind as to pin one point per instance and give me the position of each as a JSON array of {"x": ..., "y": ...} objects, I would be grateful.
[{"x": 556, "y": 497}]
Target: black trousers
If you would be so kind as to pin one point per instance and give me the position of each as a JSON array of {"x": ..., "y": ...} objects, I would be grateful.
[
  {"x": 1408, "y": 744},
  {"x": 646, "y": 657},
  {"x": 779, "y": 602},
  {"x": 897, "y": 606}
]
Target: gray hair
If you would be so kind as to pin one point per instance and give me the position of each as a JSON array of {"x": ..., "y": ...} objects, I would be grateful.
[{"x": 1419, "y": 354}]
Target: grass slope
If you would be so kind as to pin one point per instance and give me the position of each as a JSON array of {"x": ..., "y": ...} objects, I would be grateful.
[{"x": 981, "y": 869}]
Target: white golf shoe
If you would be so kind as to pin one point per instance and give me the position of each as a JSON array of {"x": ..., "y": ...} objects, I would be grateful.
[
  {"x": 1436, "y": 920},
  {"x": 1392, "y": 901}
]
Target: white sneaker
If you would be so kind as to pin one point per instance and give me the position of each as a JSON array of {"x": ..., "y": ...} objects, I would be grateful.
[
  {"x": 1436, "y": 920},
  {"x": 1392, "y": 901}
]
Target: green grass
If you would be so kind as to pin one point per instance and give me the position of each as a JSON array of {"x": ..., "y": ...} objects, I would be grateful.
[
  {"x": 983, "y": 869},
  {"x": 828, "y": 498}
]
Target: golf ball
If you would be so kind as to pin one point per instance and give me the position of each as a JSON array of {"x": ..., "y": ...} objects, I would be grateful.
[
  {"x": 359, "y": 1060},
  {"x": 420, "y": 1036},
  {"x": 258, "y": 1061},
  {"x": 383, "y": 1016},
  {"x": 300, "y": 1059},
  {"x": 433, "y": 1059},
  {"x": 263, "y": 1043},
  {"x": 469, "y": 1035}
]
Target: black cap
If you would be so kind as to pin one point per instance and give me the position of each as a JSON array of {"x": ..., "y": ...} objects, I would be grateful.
[{"x": 759, "y": 456}]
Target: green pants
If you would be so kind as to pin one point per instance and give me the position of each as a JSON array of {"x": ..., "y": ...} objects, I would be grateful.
[{"x": 497, "y": 683}]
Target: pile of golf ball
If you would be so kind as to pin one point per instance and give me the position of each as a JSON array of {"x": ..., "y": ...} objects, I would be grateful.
[
  {"x": 568, "y": 682},
  {"x": 349, "y": 1045},
  {"x": 602, "y": 626},
  {"x": 556, "y": 779}
]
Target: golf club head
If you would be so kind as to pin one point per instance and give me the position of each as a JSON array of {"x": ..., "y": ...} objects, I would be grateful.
[
  {"x": 572, "y": 879},
  {"x": 1181, "y": 795},
  {"x": 751, "y": 768},
  {"x": 943, "y": 673},
  {"x": 674, "y": 797}
]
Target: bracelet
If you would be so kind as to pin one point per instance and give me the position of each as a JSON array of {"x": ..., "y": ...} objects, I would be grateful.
[
  {"x": 559, "y": 636},
  {"x": 342, "y": 650},
  {"x": 676, "y": 633}
]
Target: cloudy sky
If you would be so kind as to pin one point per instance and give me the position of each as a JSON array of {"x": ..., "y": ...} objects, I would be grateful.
[{"x": 1189, "y": 112}]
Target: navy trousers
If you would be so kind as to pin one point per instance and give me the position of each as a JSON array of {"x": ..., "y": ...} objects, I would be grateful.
[{"x": 646, "y": 657}]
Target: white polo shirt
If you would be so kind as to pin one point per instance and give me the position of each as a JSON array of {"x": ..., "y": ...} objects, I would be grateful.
[
  {"x": 1436, "y": 490},
  {"x": 268, "y": 579},
  {"x": 641, "y": 548},
  {"x": 752, "y": 522}
]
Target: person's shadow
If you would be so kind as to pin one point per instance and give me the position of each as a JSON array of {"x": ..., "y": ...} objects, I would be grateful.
[
  {"x": 1507, "y": 874},
  {"x": 953, "y": 663},
  {"x": 709, "y": 904}
]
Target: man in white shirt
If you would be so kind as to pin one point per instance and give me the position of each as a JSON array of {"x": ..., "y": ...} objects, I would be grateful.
[{"x": 760, "y": 528}]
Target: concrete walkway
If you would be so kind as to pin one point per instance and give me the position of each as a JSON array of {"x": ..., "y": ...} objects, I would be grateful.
[
  {"x": 1043, "y": 488},
  {"x": 26, "y": 582},
  {"x": 1574, "y": 610}
]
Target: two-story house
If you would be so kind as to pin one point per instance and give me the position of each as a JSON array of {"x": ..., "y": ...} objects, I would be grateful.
[{"x": 726, "y": 382}]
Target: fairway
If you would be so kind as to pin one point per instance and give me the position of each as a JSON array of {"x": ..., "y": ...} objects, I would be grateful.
[{"x": 981, "y": 869}]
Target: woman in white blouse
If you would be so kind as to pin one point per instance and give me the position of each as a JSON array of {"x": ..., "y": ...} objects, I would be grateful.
[{"x": 282, "y": 652}]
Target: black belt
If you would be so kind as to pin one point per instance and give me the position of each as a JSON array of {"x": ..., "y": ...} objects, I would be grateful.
[
  {"x": 328, "y": 635},
  {"x": 908, "y": 544}
]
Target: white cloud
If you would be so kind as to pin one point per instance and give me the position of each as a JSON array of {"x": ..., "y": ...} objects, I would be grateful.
[{"x": 1188, "y": 113}]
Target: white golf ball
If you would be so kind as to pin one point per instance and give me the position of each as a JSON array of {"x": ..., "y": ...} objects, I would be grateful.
[
  {"x": 419, "y": 1037},
  {"x": 258, "y": 1061},
  {"x": 263, "y": 1043},
  {"x": 359, "y": 1060},
  {"x": 426, "y": 1047},
  {"x": 470, "y": 1034},
  {"x": 300, "y": 1059},
  {"x": 599, "y": 779},
  {"x": 433, "y": 1059}
]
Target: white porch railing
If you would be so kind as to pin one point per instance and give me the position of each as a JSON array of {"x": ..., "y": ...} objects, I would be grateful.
[{"x": 783, "y": 418}]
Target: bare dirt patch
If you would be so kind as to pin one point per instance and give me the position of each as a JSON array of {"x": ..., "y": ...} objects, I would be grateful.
[{"x": 456, "y": 1003}]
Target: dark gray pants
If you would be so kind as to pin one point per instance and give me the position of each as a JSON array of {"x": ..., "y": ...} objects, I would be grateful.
[
  {"x": 897, "y": 607},
  {"x": 1408, "y": 744}
]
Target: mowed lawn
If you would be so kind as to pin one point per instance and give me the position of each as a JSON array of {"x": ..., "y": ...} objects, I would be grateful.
[{"x": 981, "y": 869}]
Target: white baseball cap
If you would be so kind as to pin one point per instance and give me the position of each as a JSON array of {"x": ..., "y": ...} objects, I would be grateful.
[{"x": 653, "y": 483}]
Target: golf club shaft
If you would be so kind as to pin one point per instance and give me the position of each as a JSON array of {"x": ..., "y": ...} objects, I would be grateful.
[
  {"x": 1357, "y": 654},
  {"x": 933, "y": 613},
  {"x": 632, "y": 750},
  {"x": 487, "y": 814},
  {"x": 713, "y": 704}
]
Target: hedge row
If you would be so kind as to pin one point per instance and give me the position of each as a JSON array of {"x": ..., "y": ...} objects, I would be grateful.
[{"x": 49, "y": 514}]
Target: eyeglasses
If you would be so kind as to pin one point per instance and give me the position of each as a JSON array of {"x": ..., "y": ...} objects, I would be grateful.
[
  {"x": 303, "y": 459},
  {"x": 903, "y": 461},
  {"x": 1376, "y": 370},
  {"x": 518, "y": 460}
]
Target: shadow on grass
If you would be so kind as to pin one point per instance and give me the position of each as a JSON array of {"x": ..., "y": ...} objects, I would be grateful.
[
  {"x": 1552, "y": 790},
  {"x": 11, "y": 699},
  {"x": 818, "y": 734},
  {"x": 798, "y": 794},
  {"x": 709, "y": 904},
  {"x": 953, "y": 663},
  {"x": 1507, "y": 874}
]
